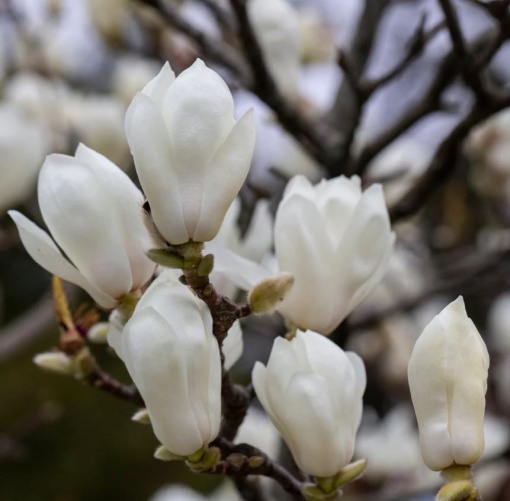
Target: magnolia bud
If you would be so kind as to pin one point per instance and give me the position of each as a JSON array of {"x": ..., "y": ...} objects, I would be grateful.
[
  {"x": 55, "y": 361},
  {"x": 312, "y": 391},
  {"x": 98, "y": 333},
  {"x": 448, "y": 380},
  {"x": 190, "y": 154},
  {"x": 141, "y": 416},
  {"x": 268, "y": 294}
]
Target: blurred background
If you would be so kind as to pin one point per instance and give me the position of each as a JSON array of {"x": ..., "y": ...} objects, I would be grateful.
[{"x": 375, "y": 89}]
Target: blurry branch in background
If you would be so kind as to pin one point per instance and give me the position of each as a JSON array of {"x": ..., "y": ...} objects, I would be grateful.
[
  {"x": 20, "y": 333},
  {"x": 487, "y": 102}
]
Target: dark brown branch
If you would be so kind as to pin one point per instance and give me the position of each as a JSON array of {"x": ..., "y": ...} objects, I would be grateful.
[
  {"x": 430, "y": 102},
  {"x": 222, "y": 17},
  {"x": 213, "y": 49},
  {"x": 101, "y": 380},
  {"x": 469, "y": 71},
  {"x": 415, "y": 48},
  {"x": 444, "y": 160},
  {"x": 263, "y": 85},
  {"x": 243, "y": 459}
]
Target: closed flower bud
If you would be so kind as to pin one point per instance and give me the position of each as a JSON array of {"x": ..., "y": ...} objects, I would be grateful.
[
  {"x": 337, "y": 242},
  {"x": 93, "y": 211},
  {"x": 174, "y": 360},
  {"x": 190, "y": 154},
  {"x": 98, "y": 333},
  {"x": 56, "y": 362},
  {"x": 448, "y": 380},
  {"x": 312, "y": 391},
  {"x": 266, "y": 296}
]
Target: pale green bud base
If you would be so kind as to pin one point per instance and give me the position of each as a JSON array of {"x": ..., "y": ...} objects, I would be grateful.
[
  {"x": 127, "y": 305},
  {"x": 201, "y": 460},
  {"x": 328, "y": 488},
  {"x": 459, "y": 486}
]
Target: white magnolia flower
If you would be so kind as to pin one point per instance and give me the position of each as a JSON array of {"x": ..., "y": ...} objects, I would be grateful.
[
  {"x": 312, "y": 391},
  {"x": 190, "y": 155},
  {"x": 277, "y": 27},
  {"x": 19, "y": 164},
  {"x": 174, "y": 360},
  {"x": 448, "y": 381},
  {"x": 337, "y": 241},
  {"x": 93, "y": 211}
]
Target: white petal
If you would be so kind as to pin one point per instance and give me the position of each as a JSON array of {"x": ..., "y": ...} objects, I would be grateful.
[
  {"x": 158, "y": 86},
  {"x": 233, "y": 345},
  {"x": 224, "y": 177},
  {"x": 82, "y": 219},
  {"x": 151, "y": 352},
  {"x": 45, "y": 253},
  {"x": 304, "y": 249},
  {"x": 198, "y": 110},
  {"x": 154, "y": 162},
  {"x": 259, "y": 237},
  {"x": 243, "y": 272}
]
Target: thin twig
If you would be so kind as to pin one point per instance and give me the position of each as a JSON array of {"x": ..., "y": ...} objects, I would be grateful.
[
  {"x": 243, "y": 459},
  {"x": 214, "y": 49},
  {"x": 263, "y": 85}
]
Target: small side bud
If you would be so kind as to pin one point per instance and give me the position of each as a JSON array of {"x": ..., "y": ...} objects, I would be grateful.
[
  {"x": 141, "y": 416},
  {"x": 97, "y": 333},
  {"x": 255, "y": 462},
  {"x": 54, "y": 361},
  {"x": 163, "y": 454},
  {"x": 458, "y": 490},
  {"x": 206, "y": 265},
  {"x": 268, "y": 294},
  {"x": 167, "y": 259}
]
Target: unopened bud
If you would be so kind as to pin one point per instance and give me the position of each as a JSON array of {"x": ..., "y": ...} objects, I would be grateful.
[
  {"x": 268, "y": 294},
  {"x": 141, "y": 416},
  {"x": 54, "y": 361},
  {"x": 167, "y": 259},
  {"x": 206, "y": 265},
  {"x": 97, "y": 333},
  {"x": 458, "y": 490}
]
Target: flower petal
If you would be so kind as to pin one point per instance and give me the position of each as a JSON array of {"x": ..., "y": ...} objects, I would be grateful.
[
  {"x": 45, "y": 253},
  {"x": 149, "y": 143}
]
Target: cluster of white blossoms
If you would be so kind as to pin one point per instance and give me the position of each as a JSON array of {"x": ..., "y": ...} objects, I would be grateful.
[{"x": 333, "y": 243}]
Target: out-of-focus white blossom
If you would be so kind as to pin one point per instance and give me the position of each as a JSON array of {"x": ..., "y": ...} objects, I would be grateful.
[
  {"x": 190, "y": 154},
  {"x": 93, "y": 211},
  {"x": 448, "y": 381},
  {"x": 499, "y": 323},
  {"x": 392, "y": 448},
  {"x": 255, "y": 244},
  {"x": 337, "y": 241},
  {"x": 312, "y": 391},
  {"x": 276, "y": 25},
  {"x": 131, "y": 75},
  {"x": 98, "y": 121},
  {"x": 19, "y": 164},
  {"x": 398, "y": 166},
  {"x": 174, "y": 360},
  {"x": 233, "y": 345},
  {"x": 109, "y": 17}
]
